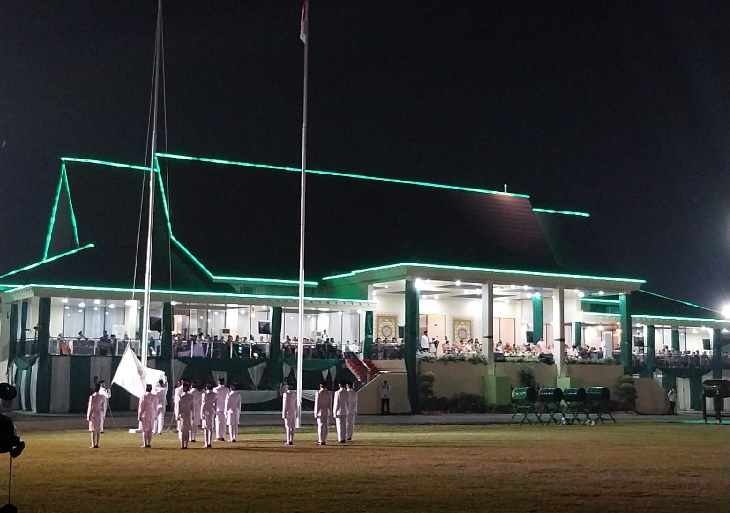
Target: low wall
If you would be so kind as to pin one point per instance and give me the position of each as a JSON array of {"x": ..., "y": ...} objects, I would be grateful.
[{"x": 368, "y": 397}]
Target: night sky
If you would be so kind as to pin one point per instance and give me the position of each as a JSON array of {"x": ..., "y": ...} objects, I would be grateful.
[{"x": 620, "y": 109}]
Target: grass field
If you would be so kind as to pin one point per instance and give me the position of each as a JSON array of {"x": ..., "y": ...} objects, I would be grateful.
[{"x": 629, "y": 467}]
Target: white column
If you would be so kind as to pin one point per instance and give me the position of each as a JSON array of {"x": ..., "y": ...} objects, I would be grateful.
[
  {"x": 559, "y": 328},
  {"x": 488, "y": 321}
]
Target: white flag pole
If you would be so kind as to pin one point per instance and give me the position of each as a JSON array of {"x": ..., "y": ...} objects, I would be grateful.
[{"x": 304, "y": 36}]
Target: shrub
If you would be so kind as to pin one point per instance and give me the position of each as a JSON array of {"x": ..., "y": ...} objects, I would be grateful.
[
  {"x": 626, "y": 392},
  {"x": 527, "y": 377},
  {"x": 468, "y": 403}
]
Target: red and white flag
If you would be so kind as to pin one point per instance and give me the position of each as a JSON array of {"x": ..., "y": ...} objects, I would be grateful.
[{"x": 305, "y": 22}]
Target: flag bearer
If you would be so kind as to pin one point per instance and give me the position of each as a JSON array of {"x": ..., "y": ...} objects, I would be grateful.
[
  {"x": 220, "y": 415},
  {"x": 322, "y": 412},
  {"x": 182, "y": 414},
  {"x": 289, "y": 413},
  {"x": 339, "y": 408},
  {"x": 106, "y": 395},
  {"x": 146, "y": 415},
  {"x": 233, "y": 412},
  {"x": 208, "y": 408},
  {"x": 351, "y": 409},
  {"x": 93, "y": 416}
]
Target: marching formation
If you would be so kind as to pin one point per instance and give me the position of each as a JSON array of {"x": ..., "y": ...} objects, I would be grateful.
[{"x": 217, "y": 411}]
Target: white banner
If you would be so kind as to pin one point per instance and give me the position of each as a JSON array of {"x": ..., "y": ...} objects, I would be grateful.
[
  {"x": 256, "y": 372},
  {"x": 287, "y": 370},
  {"x": 178, "y": 368},
  {"x": 132, "y": 376},
  {"x": 333, "y": 372},
  {"x": 324, "y": 373}
]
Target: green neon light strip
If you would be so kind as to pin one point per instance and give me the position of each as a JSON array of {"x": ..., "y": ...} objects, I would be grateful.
[
  {"x": 344, "y": 175},
  {"x": 52, "y": 222},
  {"x": 600, "y": 301},
  {"x": 673, "y": 318},
  {"x": 182, "y": 293},
  {"x": 564, "y": 212},
  {"x": 46, "y": 260},
  {"x": 680, "y": 301},
  {"x": 104, "y": 163},
  {"x": 485, "y": 270},
  {"x": 272, "y": 281},
  {"x": 71, "y": 206}
]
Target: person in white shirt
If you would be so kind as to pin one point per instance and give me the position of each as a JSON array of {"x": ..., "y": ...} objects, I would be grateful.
[
  {"x": 220, "y": 415},
  {"x": 182, "y": 415},
  {"x": 161, "y": 393},
  {"x": 289, "y": 413},
  {"x": 384, "y": 393},
  {"x": 197, "y": 402},
  {"x": 351, "y": 410},
  {"x": 93, "y": 416},
  {"x": 106, "y": 395},
  {"x": 322, "y": 412},
  {"x": 424, "y": 342},
  {"x": 339, "y": 408},
  {"x": 208, "y": 408},
  {"x": 146, "y": 415},
  {"x": 233, "y": 412},
  {"x": 178, "y": 391}
]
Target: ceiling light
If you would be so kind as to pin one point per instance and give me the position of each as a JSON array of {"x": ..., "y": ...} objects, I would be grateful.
[
  {"x": 418, "y": 283},
  {"x": 65, "y": 308},
  {"x": 694, "y": 331},
  {"x": 435, "y": 296},
  {"x": 97, "y": 301},
  {"x": 359, "y": 311},
  {"x": 80, "y": 311},
  {"x": 537, "y": 294},
  {"x": 600, "y": 292},
  {"x": 106, "y": 313},
  {"x": 513, "y": 286},
  {"x": 457, "y": 283},
  {"x": 112, "y": 306},
  {"x": 82, "y": 305},
  {"x": 130, "y": 302},
  {"x": 173, "y": 303},
  {"x": 64, "y": 300},
  {"x": 581, "y": 294},
  {"x": 339, "y": 313},
  {"x": 525, "y": 287},
  {"x": 96, "y": 308},
  {"x": 215, "y": 313},
  {"x": 385, "y": 286}
]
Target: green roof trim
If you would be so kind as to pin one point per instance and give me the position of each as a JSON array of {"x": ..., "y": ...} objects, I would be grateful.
[
  {"x": 343, "y": 175},
  {"x": 236, "y": 295},
  {"x": 679, "y": 318},
  {"x": 563, "y": 212},
  {"x": 46, "y": 260},
  {"x": 687, "y": 303},
  {"x": 104, "y": 163},
  {"x": 486, "y": 270},
  {"x": 599, "y": 301}
]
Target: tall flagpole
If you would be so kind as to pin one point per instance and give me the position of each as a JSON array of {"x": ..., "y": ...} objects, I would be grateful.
[
  {"x": 151, "y": 207},
  {"x": 304, "y": 36}
]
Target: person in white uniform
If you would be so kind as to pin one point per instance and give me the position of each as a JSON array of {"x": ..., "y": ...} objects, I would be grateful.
[
  {"x": 339, "y": 408},
  {"x": 220, "y": 415},
  {"x": 106, "y": 394},
  {"x": 183, "y": 415},
  {"x": 93, "y": 416},
  {"x": 208, "y": 407},
  {"x": 197, "y": 401},
  {"x": 351, "y": 410},
  {"x": 289, "y": 413},
  {"x": 161, "y": 393},
  {"x": 233, "y": 412},
  {"x": 425, "y": 344},
  {"x": 146, "y": 415},
  {"x": 384, "y": 392},
  {"x": 322, "y": 412}
]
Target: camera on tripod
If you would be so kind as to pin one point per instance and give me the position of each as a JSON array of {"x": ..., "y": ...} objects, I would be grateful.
[{"x": 10, "y": 442}]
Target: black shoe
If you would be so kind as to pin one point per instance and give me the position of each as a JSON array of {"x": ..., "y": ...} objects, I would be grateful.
[
  {"x": 349, "y": 439},
  {"x": 342, "y": 441}
]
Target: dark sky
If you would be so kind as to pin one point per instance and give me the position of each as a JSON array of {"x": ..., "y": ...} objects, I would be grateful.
[{"x": 620, "y": 109}]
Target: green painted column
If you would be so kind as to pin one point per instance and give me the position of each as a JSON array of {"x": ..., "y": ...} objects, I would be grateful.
[
  {"x": 577, "y": 334},
  {"x": 13, "y": 348},
  {"x": 717, "y": 353},
  {"x": 367, "y": 345},
  {"x": 411, "y": 343},
  {"x": 20, "y": 350},
  {"x": 276, "y": 377},
  {"x": 163, "y": 361},
  {"x": 624, "y": 310},
  {"x": 650, "y": 352},
  {"x": 537, "y": 321},
  {"x": 675, "y": 339},
  {"x": 43, "y": 379}
]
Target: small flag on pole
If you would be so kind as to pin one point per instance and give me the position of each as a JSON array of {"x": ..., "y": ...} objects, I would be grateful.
[{"x": 305, "y": 22}]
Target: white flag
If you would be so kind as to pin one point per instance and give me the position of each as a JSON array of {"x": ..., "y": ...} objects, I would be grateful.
[
  {"x": 303, "y": 31},
  {"x": 132, "y": 376}
]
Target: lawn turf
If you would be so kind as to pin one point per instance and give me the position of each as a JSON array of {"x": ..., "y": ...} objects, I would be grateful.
[{"x": 606, "y": 468}]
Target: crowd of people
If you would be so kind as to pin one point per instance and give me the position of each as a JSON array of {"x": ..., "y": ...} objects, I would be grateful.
[{"x": 216, "y": 410}]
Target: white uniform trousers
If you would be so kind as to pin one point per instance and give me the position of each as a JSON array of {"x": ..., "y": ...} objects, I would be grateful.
[
  {"x": 350, "y": 425},
  {"x": 289, "y": 428},
  {"x": 160, "y": 422},
  {"x": 103, "y": 418},
  {"x": 220, "y": 424},
  {"x": 323, "y": 429},
  {"x": 194, "y": 422},
  {"x": 341, "y": 425}
]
